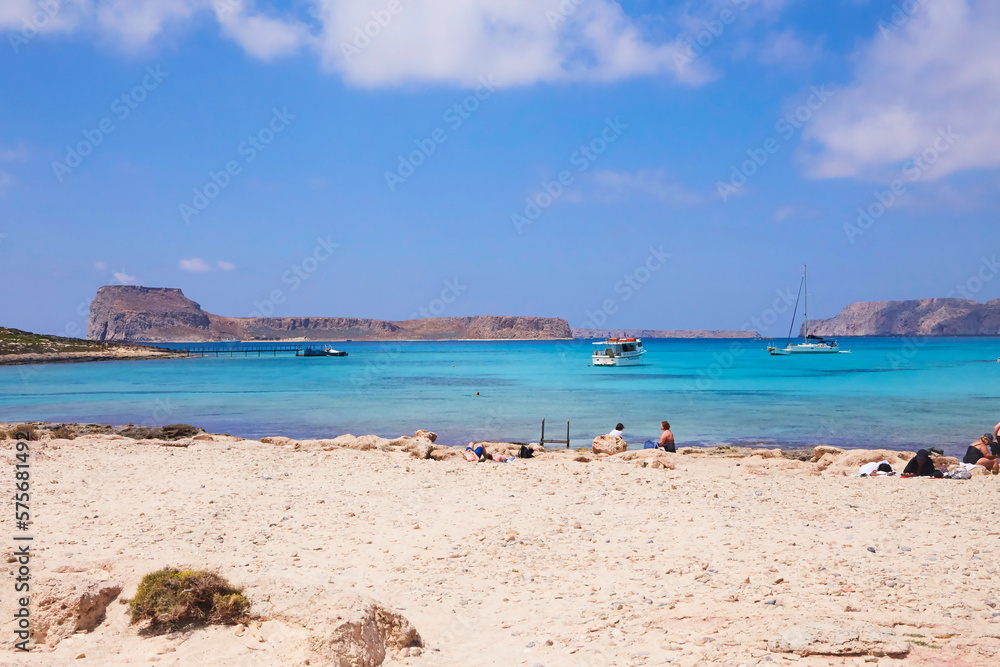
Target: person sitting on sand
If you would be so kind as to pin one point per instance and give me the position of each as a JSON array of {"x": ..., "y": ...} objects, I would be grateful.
[
  {"x": 619, "y": 431},
  {"x": 981, "y": 454},
  {"x": 921, "y": 465},
  {"x": 667, "y": 438}
]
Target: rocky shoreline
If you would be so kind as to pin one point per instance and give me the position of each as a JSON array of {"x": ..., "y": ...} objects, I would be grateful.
[{"x": 367, "y": 551}]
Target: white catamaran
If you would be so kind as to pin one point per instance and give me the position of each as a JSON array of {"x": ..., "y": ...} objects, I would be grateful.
[{"x": 813, "y": 344}]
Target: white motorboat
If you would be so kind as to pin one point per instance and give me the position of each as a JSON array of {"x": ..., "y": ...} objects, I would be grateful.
[
  {"x": 618, "y": 352},
  {"x": 320, "y": 352},
  {"x": 813, "y": 344}
]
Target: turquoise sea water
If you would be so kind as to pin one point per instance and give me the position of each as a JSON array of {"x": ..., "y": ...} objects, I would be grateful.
[{"x": 894, "y": 393}]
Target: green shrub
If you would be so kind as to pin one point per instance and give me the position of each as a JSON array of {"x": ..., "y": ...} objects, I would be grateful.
[
  {"x": 63, "y": 433},
  {"x": 171, "y": 598},
  {"x": 27, "y": 432}
]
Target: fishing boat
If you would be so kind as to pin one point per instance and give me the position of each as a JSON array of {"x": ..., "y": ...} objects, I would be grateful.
[
  {"x": 320, "y": 352},
  {"x": 618, "y": 352},
  {"x": 813, "y": 344}
]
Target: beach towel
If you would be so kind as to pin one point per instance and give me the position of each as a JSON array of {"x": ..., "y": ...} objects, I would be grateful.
[{"x": 651, "y": 445}]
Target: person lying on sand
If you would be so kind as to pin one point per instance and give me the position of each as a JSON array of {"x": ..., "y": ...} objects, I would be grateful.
[
  {"x": 667, "y": 437},
  {"x": 980, "y": 454},
  {"x": 477, "y": 453},
  {"x": 921, "y": 465}
]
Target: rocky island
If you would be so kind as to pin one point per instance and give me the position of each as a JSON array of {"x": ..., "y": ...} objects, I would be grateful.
[
  {"x": 137, "y": 314},
  {"x": 595, "y": 334},
  {"x": 920, "y": 317}
]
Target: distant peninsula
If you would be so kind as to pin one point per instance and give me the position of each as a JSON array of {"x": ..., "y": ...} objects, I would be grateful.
[
  {"x": 24, "y": 347},
  {"x": 130, "y": 313},
  {"x": 920, "y": 317},
  {"x": 594, "y": 334}
]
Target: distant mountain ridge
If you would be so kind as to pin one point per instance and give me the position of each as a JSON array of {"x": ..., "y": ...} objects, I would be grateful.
[
  {"x": 587, "y": 334},
  {"x": 920, "y": 317},
  {"x": 138, "y": 314}
]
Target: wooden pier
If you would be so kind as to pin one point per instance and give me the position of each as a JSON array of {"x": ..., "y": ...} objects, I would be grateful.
[{"x": 248, "y": 349}]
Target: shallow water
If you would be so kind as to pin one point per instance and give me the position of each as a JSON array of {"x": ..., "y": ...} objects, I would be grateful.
[{"x": 889, "y": 392}]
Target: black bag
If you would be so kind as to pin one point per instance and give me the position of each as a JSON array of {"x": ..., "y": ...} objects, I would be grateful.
[{"x": 525, "y": 452}]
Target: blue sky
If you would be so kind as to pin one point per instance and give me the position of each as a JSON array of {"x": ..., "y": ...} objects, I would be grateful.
[{"x": 740, "y": 138}]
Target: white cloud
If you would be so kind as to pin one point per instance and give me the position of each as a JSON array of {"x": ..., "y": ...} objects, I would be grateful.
[
  {"x": 611, "y": 186},
  {"x": 787, "y": 49},
  {"x": 458, "y": 41},
  {"x": 124, "y": 278},
  {"x": 783, "y": 212},
  {"x": 195, "y": 265},
  {"x": 15, "y": 154},
  {"x": 225, "y": 266},
  {"x": 518, "y": 42},
  {"x": 261, "y": 36},
  {"x": 100, "y": 266},
  {"x": 940, "y": 70}
]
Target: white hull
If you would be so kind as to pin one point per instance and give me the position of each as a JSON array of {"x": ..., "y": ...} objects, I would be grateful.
[
  {"x": 804, "y": 349},
  {"x": 604, "y": 360}
]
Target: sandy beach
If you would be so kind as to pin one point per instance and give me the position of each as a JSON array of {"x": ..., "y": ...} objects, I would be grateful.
[{"x": 715, "y": 558}]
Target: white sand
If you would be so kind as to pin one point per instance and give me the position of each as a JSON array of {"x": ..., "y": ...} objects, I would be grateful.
[{"x": 540, "y": 562}]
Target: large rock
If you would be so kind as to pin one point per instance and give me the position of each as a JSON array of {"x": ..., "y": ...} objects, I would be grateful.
[
  {"x": 822, "y": 450},
  {"x": 608, "y": 444},
  {"x": 423, "y": 433},
  {"x": 916, "y": 318},
  {"x": 69, "y": 603},
  {"x": 279, "y": 440},
  {"x": 420, "y": 448},
  {"x": 350, "y": 630},
  {"x": 838, "y": 639},
  {"x": 151, "y": 314}
]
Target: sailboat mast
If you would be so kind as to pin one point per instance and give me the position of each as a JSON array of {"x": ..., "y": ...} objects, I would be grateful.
[{"x": 805, "y": 302}]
